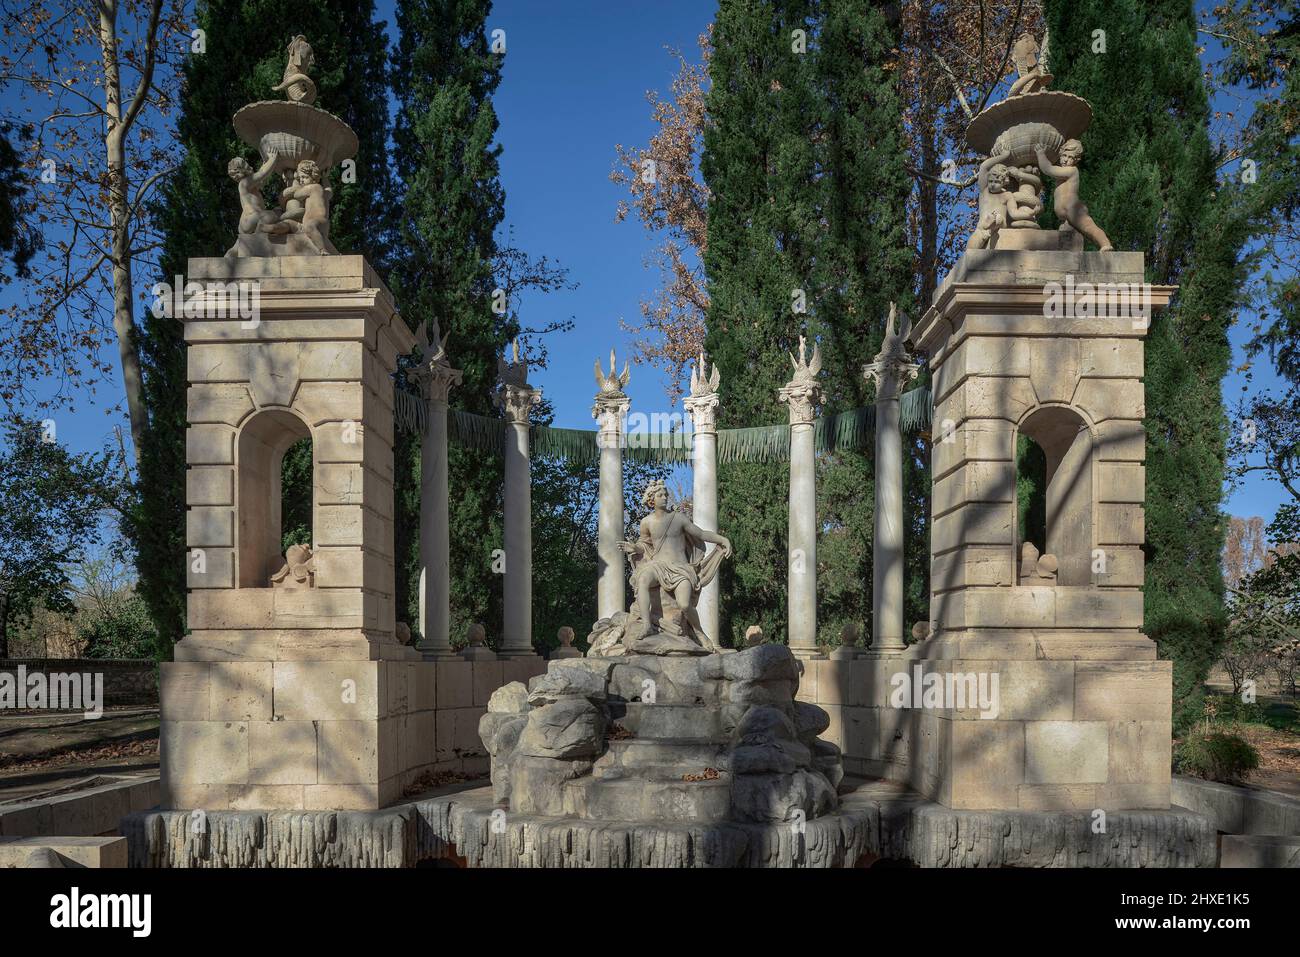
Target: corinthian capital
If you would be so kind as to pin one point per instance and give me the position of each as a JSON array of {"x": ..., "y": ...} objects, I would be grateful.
[
  {"x": 893, "y": 367},
  {"x": 611, "y": 401}
]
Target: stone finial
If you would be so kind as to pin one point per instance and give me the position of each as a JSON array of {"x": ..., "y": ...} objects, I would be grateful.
[
  {"x": 893, "y": 367},
  {"x": 425, "y": 337},
  {"x": 402, "y": 632},
  {"x": 803, "y": 392},
  {"x": 477, "y": 649},
  {"x": 848, "y": 648},
  {"x": 612, "y": 384},
  {"x": 753, "y": 636},
  {"x": 921, "y": 631},
  {"x": 435, "y": 377},
  {"x": 702, "y": 402},
  {"x": 611, "y": 401},
  {"x": 514, "y": 395},
  {"x": 566, "y": 649}
]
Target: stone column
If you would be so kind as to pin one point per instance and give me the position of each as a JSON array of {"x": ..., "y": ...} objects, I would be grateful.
[
  {"x": 435, "y": 379},
  {"x": 702, "y": 405},
  {"x": 610, "y": 411},
  {"x": 801, "y": 394},
  {"x": 891, "y": 370},
  {"x": 516, "y": 398}
]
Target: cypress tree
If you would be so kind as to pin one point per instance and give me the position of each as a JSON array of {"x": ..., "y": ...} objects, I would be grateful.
[
  {"x": 198, "y": 209},
  {"x": 758, "y": 163},
  {"x": 862, "y": 263},
  {"x": 443, "y": 77},
  {"x": 804, "y": 163},
  {"x": 1149, "y": 179}
]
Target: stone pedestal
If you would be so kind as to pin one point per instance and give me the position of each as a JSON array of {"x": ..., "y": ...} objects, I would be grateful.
[
  {"x": 1082, "y": 716},
  {"x": 290, "y": 695}
]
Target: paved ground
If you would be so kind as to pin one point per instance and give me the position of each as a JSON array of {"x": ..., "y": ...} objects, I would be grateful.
[{"x": 44, "y": 752}]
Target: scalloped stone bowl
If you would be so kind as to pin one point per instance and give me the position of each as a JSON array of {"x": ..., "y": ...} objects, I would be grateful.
[
  {"x": 1018, "y": 124},
  {"x": 295, "y": 132}
]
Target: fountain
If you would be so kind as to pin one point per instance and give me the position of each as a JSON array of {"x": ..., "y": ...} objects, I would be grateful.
[
  {"x": 302, "y": 143},
  {"x": 1033, "y": 132}
]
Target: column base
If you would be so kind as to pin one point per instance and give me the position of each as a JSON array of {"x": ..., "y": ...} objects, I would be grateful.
[
  {"x": 517, "y": 653},
  {"x": 808, "y": 653},
  {"x": 430, "y": 651}
]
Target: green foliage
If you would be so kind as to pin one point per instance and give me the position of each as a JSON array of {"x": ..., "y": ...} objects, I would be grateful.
[
  {"x": 1149, "y": 179},
  {"x": 120, "y": 629},
  {"x": 1216, "y": 756},
  {"x": 803, "y": 160},
  {"x": 198, "y": 210},
  {"x": 296, "y": 495},
  {"x": 1233, "y": 709},
  {"x": 50, "y": 505},
  {"x": 1031, "y": 493}
]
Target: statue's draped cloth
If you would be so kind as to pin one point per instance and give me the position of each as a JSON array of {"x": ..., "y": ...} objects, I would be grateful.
[{"x": 699, "y": 569}]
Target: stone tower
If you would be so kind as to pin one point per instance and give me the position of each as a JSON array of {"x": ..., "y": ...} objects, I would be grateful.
[{"x": 1043, "y": 344}]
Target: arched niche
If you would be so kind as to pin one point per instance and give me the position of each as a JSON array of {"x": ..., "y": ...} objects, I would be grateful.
[
  {"x": 1067, "y": 446},
  {"x": 259, "y": 455}
]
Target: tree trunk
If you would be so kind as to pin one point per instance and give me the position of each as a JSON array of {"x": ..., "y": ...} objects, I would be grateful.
[{"x": 118, "y": 183}]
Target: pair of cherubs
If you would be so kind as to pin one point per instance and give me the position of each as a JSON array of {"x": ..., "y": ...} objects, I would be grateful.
[
  {"x": 1002, "y": 207},
  {"x": 304, "y": 203}
]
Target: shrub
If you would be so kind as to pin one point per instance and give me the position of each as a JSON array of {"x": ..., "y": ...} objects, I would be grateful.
[
  {"x": 1217, "y": 756},
  {"x": 1232, "y": 709},
  {"x": 121, "y": 628}
]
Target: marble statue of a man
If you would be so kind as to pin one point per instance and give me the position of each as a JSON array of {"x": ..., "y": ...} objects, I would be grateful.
[{"x": 669, "y": 568}]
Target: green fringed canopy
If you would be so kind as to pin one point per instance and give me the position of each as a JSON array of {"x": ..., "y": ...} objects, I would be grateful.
[{"x": 853, "y": 429}]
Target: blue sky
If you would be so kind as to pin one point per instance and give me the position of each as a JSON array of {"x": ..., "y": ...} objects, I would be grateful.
[{"x": 574, "y": 84}]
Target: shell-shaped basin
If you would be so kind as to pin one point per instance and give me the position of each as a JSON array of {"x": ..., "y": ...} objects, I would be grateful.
[
  {"x": 1019, "y": 123},
  {"x": 295, "y": 132}
]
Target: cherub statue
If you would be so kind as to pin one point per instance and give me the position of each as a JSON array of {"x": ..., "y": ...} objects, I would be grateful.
[
  {"x": 1031, "y": 65},
  {"x": 669, "y": 568},
  {"x": 296, "y": 84},
  {"x": 1069, "y": 208},
  {"x": 992, "y": 180},
  {"x": 298, "y": 570},
  {"x": 254, "y": 213},
  {"x": 306, "y": 208}
]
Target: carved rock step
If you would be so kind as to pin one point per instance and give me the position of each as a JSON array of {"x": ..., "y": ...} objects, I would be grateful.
[
  {"x": 648, "y": 800},
  {"x": 668, "y": 720},
  {"x": 686, "y": 755}
]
